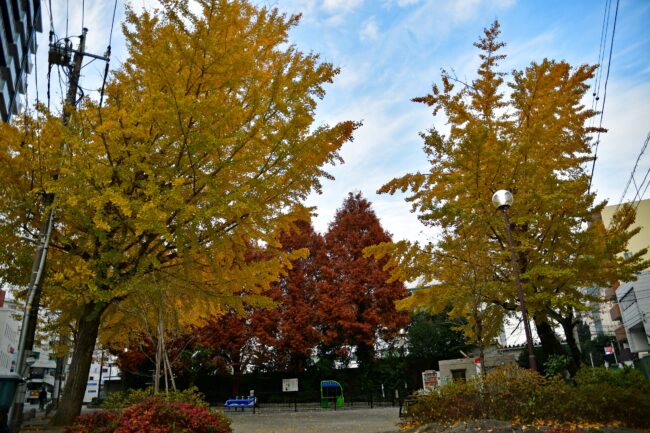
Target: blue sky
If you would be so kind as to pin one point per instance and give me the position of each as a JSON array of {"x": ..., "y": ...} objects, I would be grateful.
[{"x": 390, "y": 51}]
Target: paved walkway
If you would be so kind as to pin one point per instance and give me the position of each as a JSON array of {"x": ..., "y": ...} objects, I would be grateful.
[{"x": 378, "y": 420}]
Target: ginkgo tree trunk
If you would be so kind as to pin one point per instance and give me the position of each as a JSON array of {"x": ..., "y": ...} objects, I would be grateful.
[{"x": 205, "y": 145}]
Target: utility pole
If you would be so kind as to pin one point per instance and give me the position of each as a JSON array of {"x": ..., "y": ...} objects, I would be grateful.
[{"x": 59, "y": 54}]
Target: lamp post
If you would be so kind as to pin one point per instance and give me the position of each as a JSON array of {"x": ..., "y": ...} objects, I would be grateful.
[{"x": 502, "y": 200}]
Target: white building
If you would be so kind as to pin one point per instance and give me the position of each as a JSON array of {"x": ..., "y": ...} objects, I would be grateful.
[
  {"x": 8, "y": 335},
  {"x": 634, "y": 307},
  {"x": 105, "y": 373},
  {"x": 41, "y": 371}
]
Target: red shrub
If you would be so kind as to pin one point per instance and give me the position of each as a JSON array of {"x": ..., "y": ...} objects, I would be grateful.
[
  {"x": 156, "y": 415},
  {"x": 102, "y": 421}
]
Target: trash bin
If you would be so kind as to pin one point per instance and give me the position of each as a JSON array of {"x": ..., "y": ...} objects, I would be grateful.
[{"x": 8, "y": 384}]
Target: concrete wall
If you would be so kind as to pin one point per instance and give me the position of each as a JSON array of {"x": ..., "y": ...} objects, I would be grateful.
[
  {"x": 8, "y": 337},
  {"x": 642, "y": 239},
  {"x": 448, "y": 366}
]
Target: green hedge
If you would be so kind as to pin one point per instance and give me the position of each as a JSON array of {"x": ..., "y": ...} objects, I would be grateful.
[{"x": 515, "y": 394}]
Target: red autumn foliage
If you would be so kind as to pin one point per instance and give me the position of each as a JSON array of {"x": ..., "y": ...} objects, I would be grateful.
[
  {"x": 102, "y": 421},
  {"x": 358, "y": 306},
  {"x": 291, "y": 330},
  {"x": 154, "y": 415},
  {"x": 331, "y": 301},
  {"x": 229, "y": 336}
]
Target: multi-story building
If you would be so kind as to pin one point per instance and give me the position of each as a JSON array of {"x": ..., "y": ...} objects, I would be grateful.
[
  {"x": 9, "y": 335},
  {"x": 19, "y": 21},
  {"x": 633, "y": 309},
  {"x": 103, "y": 378},
  {"x": 42, "y": 363},
  {"x": 630, "y": 307},
  {"x": 104, "y": 375}
]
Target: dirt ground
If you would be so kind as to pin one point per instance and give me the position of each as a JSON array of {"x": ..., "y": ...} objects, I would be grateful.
[{"x": 377, "y": 420}]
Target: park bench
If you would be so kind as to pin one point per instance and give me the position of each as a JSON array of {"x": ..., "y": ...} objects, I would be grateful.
[{"x": 243, "y": 403}]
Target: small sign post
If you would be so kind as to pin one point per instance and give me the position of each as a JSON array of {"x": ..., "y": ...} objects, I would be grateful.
[{"x": 291, "y": 385}]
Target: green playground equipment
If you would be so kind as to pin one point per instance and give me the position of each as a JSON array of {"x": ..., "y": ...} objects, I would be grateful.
[{"x": 331, "y": 391}]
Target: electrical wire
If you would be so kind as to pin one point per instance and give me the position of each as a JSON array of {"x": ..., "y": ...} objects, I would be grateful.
[
  {"x": 601, "y": 54},
  {"x": 595, "y": 97},
  {"x": 636, "y": 164},
  {"x": 110, "y": 35},
  {"x": 108, "y": 56},
  {"x": 602, "y": 109},
  {"x": 88, "y": 64},
  {"x": 640, "y": 196}
]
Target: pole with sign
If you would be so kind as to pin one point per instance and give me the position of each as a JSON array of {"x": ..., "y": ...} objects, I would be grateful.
[{"x": 291, "y": 385}]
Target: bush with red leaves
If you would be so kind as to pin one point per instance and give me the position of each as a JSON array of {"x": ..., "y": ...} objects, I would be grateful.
[
  {"x": 103, "y": 421},
  {"x": 154, "y": 415}
]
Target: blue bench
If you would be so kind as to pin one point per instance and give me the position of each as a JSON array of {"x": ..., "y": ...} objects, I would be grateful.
[{"x": 243, "y": 403}]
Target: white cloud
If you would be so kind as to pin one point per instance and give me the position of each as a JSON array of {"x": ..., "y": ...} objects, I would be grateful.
[
  {"x": 463, "y": 10},
  {"x": 404, "y": 3},
  {"x": 369, "y": 30},
  {"x": 626, "y": 118},
  {"x": 340, "y": 6}
]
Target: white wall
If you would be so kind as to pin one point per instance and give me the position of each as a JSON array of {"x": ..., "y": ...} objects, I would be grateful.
[
  {"x": 8, "y": 337},
  {"x": 634, "y": 300}
]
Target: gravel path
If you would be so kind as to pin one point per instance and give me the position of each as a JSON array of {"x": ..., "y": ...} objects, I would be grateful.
[{"x": 378, "y": 420}]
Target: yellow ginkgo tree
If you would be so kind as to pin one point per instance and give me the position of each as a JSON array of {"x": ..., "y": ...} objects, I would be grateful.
[
  {"x": 205, "y": 146},
  {"x": 535, "y": 141}
]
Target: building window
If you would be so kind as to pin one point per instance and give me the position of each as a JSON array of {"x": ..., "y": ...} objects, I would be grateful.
[{"x": 458, "y": 374}]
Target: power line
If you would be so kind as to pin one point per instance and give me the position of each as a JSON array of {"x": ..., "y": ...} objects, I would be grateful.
[
  {"x": 110, "y": 35},
  {"x": 601, "y": 54},
  {"x": 602, "y": 108},
  {"x": 644, "y": 190},
  {"x": 108, "y": 57},
  {"x": 636, "y": 164}
]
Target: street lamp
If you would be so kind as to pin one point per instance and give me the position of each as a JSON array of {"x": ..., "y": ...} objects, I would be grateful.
[{"x": 502, "y": 200}]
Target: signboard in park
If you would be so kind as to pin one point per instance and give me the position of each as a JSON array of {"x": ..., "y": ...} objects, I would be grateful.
[
  {"x": 290, "y": 385},
  {"x": 609, "y": 350},
  {"x": 430, "y": 379}
]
